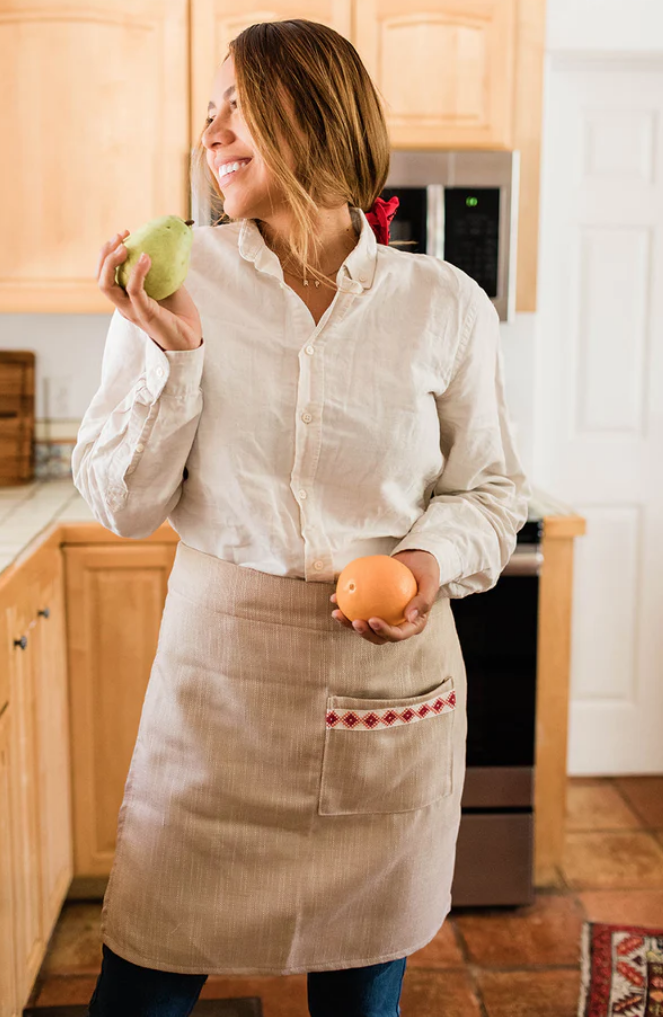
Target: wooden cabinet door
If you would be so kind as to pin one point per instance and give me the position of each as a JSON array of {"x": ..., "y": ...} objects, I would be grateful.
[
  {"x": 52, "y": 697},
  {"x": 444, "y": 69},
  {"x": 9, "y": 1005},
  {"x": 215, "y": 22},
  {"x": 24, "y": 818},
  {"x": 96, "y": 138},
  {"x": 115, "y": 598}
]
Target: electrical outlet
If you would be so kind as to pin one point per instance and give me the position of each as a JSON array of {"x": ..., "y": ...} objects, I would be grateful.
[{"x": 59, "y": 396}]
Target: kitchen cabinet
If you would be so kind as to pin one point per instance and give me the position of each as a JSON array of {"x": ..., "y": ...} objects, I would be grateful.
[
  {"x": 29, "y": 938},
  {"x": 98, "y": 134},
  {"x": 116, "y": 591},
  {"x": 444, "y": 68},
  {"x": 36, "y": 852},
  {"x": 8, "y": 995},
  {"x": 451, "y": 73}
]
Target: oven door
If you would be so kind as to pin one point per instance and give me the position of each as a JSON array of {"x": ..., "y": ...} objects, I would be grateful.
[{"x": 498, "y": 636}]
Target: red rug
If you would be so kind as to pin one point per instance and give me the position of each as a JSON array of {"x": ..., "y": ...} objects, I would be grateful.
[{"x": 622, "y": 971}]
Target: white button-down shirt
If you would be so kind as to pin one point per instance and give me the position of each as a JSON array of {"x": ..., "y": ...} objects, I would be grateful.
[{"x": 292, "y": 448}]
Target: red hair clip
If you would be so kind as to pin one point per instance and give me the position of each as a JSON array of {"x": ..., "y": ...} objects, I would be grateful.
[{"x": 380, "y": 215}]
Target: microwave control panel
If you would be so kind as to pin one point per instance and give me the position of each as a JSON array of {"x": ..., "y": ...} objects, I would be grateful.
[{"x": 471, "y": 231}]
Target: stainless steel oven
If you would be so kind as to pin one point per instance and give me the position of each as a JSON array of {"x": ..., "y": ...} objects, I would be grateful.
[
  {"x": 498, "y": 636},
  {"x": 461, "y": 207}
]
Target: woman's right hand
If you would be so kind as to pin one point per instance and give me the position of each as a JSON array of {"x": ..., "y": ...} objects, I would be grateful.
[{"x": 173, "y": 323}]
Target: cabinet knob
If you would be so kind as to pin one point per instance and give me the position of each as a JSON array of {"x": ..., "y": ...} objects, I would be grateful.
[
  {"x": 46, "y": 612},
  {"x": 22, "y": 642}
]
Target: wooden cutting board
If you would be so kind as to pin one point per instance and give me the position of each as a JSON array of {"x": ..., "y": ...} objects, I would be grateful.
[{"x": 17, "y": 416}]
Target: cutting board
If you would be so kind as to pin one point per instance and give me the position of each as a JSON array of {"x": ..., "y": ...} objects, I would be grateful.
[{"x": 17, "y": 416}]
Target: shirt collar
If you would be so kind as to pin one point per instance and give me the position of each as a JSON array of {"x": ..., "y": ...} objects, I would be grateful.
[{"x": 358, "y": 268}]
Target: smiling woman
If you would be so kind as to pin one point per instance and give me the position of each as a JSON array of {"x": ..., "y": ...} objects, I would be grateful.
[
  {"x": 294, "y": 796},
  {"x": 295, "y": 100}
]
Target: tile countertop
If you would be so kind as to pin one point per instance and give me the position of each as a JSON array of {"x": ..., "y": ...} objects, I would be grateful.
[{"x": 26, "y": 511}]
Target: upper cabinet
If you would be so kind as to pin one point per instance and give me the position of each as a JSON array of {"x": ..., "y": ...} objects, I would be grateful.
[
  {"x": 95, "y": 137},
  {"x": 444, "y": 68},
  {"x": 109, "y": 96}
]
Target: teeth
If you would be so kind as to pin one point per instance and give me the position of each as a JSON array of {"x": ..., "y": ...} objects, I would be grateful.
[{"x": 230, "y": 167}]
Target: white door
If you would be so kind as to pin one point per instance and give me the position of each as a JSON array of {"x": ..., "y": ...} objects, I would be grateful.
[{"x": 599, "y": 425}]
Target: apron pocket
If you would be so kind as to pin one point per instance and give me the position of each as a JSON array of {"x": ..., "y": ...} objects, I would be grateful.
[{"x": 387, "y": 755}]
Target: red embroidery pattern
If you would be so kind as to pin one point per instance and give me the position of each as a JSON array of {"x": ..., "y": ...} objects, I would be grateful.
[{"x": 360, "y": 720}]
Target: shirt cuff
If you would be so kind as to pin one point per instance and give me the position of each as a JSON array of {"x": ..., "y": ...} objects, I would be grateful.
[
  {"x": 444, "y": 552},
  {"x": 173, "y": 372}
]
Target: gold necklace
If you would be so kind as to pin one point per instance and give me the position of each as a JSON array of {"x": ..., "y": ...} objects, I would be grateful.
[{"x": 303, "y": 278}]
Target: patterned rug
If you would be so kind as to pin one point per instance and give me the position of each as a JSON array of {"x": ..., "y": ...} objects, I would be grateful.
[{"x": 622, "y": 971}]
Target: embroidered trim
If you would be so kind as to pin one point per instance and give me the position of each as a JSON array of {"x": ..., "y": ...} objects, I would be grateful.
[{"x": 358, "y": 720}]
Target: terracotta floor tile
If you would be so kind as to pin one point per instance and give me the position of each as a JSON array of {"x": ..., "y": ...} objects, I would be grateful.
[
  {"x": 530, "y": 993},
  {"x": 281, "y": 995},
  {"x": 630, "y": 907},
  {"x": 612, "y": 861},
  {"x": 75, "y": 945},
  {"x": 63, "y": 990},
  {"x": 437, "y": 994},
  {"x": 545, "y": 932},
  {"x": 442, "y": 952},
  {"x": 645, "y": 795},
  {"x": 598, "y": 806}
]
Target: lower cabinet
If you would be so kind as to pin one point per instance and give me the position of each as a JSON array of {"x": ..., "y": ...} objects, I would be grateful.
[
  {"x": 36, "y": 843},
  {"x": 115, "y": 593},
  {"x": 8, "y": 993}
]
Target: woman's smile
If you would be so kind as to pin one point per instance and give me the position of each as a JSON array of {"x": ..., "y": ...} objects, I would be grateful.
[{"x": 226, "y": 173}]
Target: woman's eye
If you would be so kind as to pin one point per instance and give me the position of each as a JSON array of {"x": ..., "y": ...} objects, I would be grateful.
[{"x": 209, "y": 119}]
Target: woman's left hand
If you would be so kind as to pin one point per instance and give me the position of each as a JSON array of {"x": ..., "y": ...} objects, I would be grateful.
[{"x": 426, "y": 571}]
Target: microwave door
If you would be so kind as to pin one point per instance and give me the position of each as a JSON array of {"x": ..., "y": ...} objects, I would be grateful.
[
  {"x": 409, "y": 228},
  {"x": 418, "y": 226}
]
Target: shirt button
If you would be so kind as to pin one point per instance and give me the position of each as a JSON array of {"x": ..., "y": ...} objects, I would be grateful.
[
  {"x": 303, "y": 494},
  {"x": 307, "y": 418},
  {"x": 139, "y": 448},
  {"x": 318, "y": 565},
  {"x": 159, "y": 371},
  {"x": 310, "y": 350}
]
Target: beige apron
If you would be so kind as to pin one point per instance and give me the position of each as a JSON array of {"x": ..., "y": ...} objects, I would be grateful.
[{"x": 293, "y": 799}]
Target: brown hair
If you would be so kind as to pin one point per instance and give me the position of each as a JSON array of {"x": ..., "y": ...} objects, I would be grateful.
[{"x": 336, "y": 131}]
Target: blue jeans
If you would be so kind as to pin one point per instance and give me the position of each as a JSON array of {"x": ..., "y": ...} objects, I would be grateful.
[{"x": 132, "y": 991}]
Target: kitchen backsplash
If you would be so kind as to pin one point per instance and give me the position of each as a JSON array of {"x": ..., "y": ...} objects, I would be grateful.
[{"x": 54, "y": 443}]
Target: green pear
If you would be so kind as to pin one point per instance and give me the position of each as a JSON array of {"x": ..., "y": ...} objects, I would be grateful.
[{"x": 167, "y": 240}]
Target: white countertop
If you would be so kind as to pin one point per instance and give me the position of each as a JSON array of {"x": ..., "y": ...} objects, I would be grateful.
[{"x": 28, "y": 509}]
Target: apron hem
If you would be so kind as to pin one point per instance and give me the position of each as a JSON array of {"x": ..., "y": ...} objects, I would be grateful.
[{"x": 338, "y": 965}]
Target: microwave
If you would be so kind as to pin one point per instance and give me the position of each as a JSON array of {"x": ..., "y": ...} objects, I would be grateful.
[{"x": 461, "y": 207}]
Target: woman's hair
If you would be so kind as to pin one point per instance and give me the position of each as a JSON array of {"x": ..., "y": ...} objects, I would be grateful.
[{"x": 303, "y": 83}]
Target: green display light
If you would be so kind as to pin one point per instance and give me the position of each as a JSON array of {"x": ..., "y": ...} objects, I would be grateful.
[{"x": 471, "y": 202}]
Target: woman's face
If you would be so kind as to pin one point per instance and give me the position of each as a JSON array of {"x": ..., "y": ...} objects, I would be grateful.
[{"x": 251, "y": 191}]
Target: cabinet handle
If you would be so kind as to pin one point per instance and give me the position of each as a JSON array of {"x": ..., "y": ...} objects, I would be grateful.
[
  {"x": 46, "y": 612},
  {"x": 22, "y": 642}
]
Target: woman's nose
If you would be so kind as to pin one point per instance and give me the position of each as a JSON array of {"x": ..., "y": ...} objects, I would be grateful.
[{"x": 216, "y": 131}]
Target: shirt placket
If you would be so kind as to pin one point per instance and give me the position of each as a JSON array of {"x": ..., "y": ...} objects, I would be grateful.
[{"x": 318, "y": 563}]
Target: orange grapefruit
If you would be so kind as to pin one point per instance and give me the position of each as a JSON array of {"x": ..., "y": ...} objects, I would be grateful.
[{"x": 376, "y": 586}]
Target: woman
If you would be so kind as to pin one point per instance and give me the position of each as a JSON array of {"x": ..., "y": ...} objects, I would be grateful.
[{"x": 294, "y": 795}]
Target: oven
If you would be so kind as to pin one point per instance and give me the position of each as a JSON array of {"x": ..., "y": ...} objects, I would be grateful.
[{"x": 498, "y": 633}]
